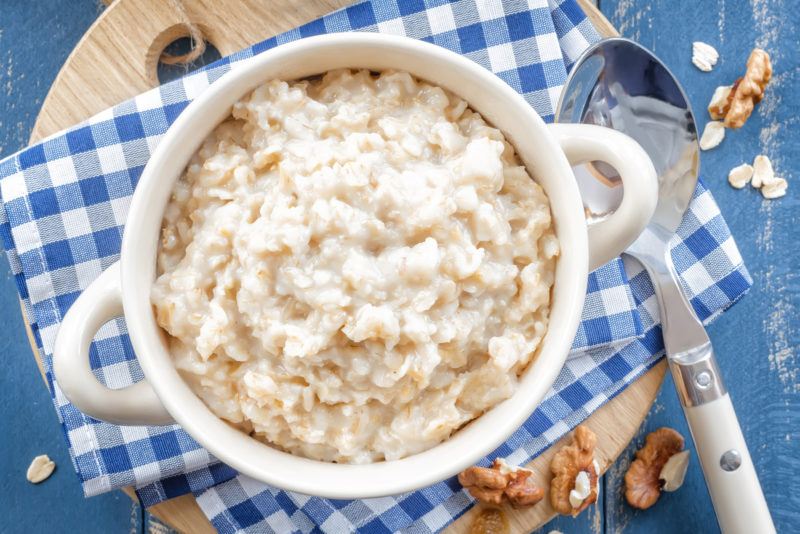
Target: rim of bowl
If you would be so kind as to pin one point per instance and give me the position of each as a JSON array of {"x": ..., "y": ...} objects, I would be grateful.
[{"x": 282, "y": 469}]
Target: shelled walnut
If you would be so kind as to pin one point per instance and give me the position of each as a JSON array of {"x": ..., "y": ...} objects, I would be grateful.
[
  {"x": 643, "y": 482},
  {"x": 501, "y": 482},
  {"x": 575, "y": 474},
  {"x": 734, "y": 104},
  {"x": 749, "y": 89}
]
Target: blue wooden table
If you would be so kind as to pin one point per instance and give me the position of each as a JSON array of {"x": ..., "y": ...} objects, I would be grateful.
[{"x": 757, "y": 341}]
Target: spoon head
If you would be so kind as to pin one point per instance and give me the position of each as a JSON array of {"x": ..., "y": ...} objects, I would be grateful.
[{"x": 619, "y": 84}]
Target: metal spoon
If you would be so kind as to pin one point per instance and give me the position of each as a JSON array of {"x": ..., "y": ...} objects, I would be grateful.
[{"x": 619, "y": 84}]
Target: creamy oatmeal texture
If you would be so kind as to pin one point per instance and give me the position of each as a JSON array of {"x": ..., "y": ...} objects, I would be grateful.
[{"x": 355, "y": 266}]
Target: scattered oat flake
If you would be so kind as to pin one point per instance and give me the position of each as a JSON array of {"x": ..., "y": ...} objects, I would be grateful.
[
  {"x": 740, "y": 176},
  {"x": 40, "y": 469},
  {"x": 763, "y": 178},
  {"x": 704, "y": 56},
  {"x": 581, "y": 491},
  {"x": 775, "y": 188},
  {"x": 713, "y": 134},
  {"x": 673, "y": 473},
  {"x": 719, "y": 104},
  {"x": 762, "y": 171}
]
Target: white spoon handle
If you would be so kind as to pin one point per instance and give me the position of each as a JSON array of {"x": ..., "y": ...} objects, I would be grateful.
[{"x": 729, "y": 472}]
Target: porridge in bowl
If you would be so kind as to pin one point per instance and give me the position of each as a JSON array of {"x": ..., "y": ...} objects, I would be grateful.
[{"x": 353, "y": 267}]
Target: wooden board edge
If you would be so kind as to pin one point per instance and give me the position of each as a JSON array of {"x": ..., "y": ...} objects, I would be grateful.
[
  {"x": 598, "y": 20},
  {"x": 32, "y": 341},
  {"x": 180, "y": 513}
]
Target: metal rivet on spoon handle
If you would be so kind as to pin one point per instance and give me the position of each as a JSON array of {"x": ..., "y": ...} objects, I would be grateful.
[{"x": 620, "y": 84}]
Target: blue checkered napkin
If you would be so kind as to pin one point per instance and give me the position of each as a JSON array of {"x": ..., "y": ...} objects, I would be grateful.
[
  {"x": 64, "y": 204},
  {"x": 714, "y": 275}
]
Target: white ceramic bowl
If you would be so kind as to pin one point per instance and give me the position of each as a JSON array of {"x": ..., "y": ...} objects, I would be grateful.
[{"x": 124, "y": 289}]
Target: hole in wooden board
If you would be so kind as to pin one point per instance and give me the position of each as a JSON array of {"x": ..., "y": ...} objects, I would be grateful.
[
  {"x": 175, "y": 41},
  {"x": 180, "y": 47}
]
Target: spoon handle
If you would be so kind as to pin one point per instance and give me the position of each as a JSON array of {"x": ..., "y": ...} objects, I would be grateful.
[{"x": 731, "y": 478}]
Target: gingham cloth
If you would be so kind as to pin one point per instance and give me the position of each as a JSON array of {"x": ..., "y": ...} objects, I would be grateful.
[{"x": 64, "y": 204}]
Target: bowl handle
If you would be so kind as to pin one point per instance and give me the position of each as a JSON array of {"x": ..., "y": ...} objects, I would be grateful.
[
  {"x": 583, "y": 143},
  {"x": 132, "y": 405}
]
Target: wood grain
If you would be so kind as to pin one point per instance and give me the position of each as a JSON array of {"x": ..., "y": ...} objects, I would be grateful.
[{"x": 112, "y": 63}]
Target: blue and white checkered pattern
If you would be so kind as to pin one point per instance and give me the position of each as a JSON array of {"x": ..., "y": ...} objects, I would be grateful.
[{"x": 64, "y": 205}]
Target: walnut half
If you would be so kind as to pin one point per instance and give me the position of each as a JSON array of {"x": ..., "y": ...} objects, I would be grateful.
[
  {"x": 521, "y": 491},
  {"x": 748, "y": 90},
  {"x": 501, "y": 482},
  {"x": 642, "y": 484},
  {"x": 484, "y": 483},
  {"x": 575, "y": 474}
]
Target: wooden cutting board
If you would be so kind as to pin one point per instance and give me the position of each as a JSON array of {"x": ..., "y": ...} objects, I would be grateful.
[{"x": 117, "y": 59}]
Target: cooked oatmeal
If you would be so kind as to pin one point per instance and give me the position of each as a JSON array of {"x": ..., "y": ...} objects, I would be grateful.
[{"x": 353, "y": 267}]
